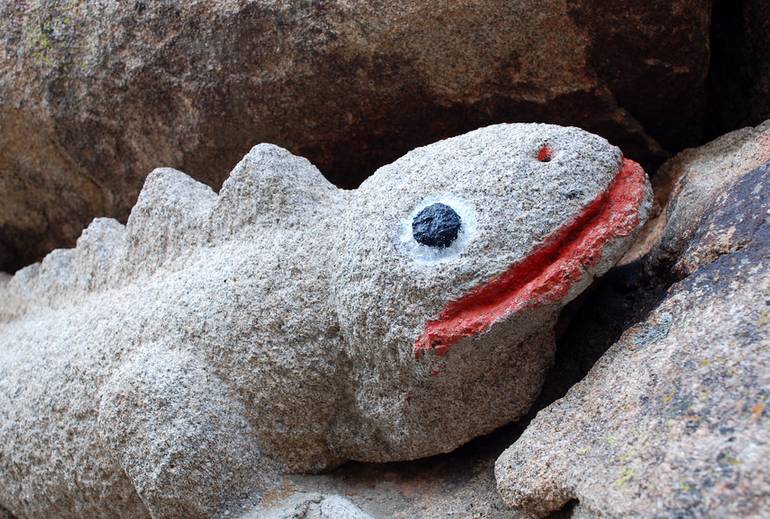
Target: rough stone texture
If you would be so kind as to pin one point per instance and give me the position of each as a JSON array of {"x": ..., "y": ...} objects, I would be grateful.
[
  {"x": 92, "y": 96},
  {"x": 461, "y": 484},
  {"x": 310, "y": 506},
  {"x": 698, "y": 177},
  {"x": 458, "y": 485},
  {"x": 685, "y": 188},
  {"x": 673, "y": 420},
  {"x": 176, "y": 365}
]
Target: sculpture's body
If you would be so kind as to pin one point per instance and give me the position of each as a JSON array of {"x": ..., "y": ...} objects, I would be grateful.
[{"x": 172, "y": 366}]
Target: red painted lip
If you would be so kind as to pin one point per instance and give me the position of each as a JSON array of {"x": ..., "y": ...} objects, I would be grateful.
[{"x": 548, "y": 273}]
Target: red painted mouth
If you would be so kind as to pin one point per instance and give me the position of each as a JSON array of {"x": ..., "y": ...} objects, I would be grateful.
[{"x": 548, "y": 273}]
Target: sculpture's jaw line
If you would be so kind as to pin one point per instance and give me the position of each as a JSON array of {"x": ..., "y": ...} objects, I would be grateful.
[{"x": 549, "y": 272}]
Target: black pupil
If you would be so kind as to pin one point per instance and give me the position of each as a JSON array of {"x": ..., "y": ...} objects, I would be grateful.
[{"x": 436, "y": 226}]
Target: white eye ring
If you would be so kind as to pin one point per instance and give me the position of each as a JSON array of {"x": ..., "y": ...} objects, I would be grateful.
[{"x": 425, "y": 254}]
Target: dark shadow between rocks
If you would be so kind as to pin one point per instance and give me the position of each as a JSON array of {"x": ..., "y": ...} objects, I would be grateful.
[
  {"x": 593, "y": 322},
  {"x": 738, "y": 81},
  {"x": 566, "y": 511}
]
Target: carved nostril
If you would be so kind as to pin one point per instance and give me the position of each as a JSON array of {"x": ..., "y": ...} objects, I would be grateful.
[
  {"x": 573, "y": 194},
  {"x": 436, "y": 226},
  {"x": 544, "y": 154}
]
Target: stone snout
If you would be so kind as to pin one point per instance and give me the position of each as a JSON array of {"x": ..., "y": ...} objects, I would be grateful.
[
  {"x": 547, "y": 274},
  {"x": 435, "y": 360}
]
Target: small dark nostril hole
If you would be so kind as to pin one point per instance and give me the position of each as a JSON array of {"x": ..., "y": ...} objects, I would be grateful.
[
  {"x": 572, "y": 195},
  {"x": 544, "y": 154}
]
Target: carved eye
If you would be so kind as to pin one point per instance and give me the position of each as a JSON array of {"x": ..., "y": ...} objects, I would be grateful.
[
  {"x": 437, "y": 229},
  {"x": 436, "y": 226}
]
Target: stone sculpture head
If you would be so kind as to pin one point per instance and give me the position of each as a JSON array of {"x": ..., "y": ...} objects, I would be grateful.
[{"x": 453, "y": 264}]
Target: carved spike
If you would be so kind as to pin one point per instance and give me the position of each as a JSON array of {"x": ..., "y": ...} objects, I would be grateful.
[
  {"x": 269, "y": 186},
  {"x": 168, "y": 218}
]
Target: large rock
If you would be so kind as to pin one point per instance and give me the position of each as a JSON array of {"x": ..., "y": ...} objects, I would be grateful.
[
  {"x": 673, "y": 420},
  {"x": 689, "y": 185},
  {"x": 93, "y": 97},
  {"x": 177, "y": 364}
]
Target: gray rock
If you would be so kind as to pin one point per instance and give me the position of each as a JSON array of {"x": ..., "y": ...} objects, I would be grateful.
[
  {"x": 697, "y": 178},
  {"x": 457, "y": 485},
  {"x": 310, "y": 506},
  {"x": 177, "y": 365},
  {"x": 673, "y": 420},
  {"x": 92, "y": 97},
  {"x": 686, "y": 187}
]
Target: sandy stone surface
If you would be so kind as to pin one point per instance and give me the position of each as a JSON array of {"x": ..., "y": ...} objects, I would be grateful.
[
  {"x": 94, "y": 95},
  {"x": 310, "y": 506},
  {"x": 459, "y": 485},
  {"x": 178, "y": 364},
  {"x": 673, "y": 420}
]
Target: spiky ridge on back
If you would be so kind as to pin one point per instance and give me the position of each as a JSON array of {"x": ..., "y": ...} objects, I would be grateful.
[{"x": 174, "y": 217}]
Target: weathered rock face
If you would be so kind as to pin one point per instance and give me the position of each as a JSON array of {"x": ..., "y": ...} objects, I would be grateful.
[
  {"x": 697, "y": 177},
  {"x": 94, "y": 97},
  {"x": 286, "y": 325},
  {"x": 673, "y": 419}
]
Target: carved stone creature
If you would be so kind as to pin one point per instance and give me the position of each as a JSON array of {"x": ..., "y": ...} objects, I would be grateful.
[{"x": 174, "y": 366}]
